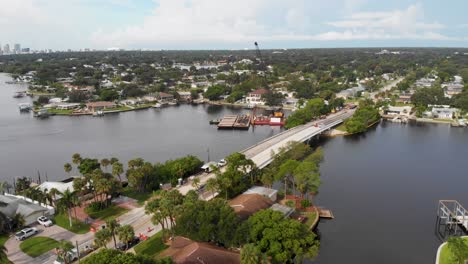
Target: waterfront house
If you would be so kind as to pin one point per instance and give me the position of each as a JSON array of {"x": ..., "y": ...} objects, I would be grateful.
[
  {"x": 185, "y": 96},
  {"x": 256, "y": 97},
  {"x": 245, "y": 205},
  {"x": 266, "y": 192},
  {"x": 185, "y": 251},
  {"x": 443, "y": 112},
  {"x": 398, "y": 110},
  {"x": 98, "y": 106},
  {"x": 30, "y": 210},
  {"x": 404, "y": 98},
  {"x": 61, "y": 186},
  {"x": 165, "y": 96}
]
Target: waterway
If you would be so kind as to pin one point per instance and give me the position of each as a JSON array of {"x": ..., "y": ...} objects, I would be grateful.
[
  {"x": 382, "y": 186},
  {"x": 29, "y": 145}
]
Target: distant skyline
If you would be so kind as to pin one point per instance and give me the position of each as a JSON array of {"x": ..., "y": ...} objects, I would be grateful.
[{"x": 220, "y": 24}]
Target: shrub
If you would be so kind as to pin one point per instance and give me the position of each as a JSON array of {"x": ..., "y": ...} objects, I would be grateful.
[
  {"x": 305, "y": 203},
  {"x": 95, "y": 207}
]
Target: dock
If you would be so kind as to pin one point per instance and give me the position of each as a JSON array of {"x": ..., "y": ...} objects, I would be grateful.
[
  {"x": 453, "y": 217},
  {"x": 228, "y": 121},
  {"x": 242, "y": 122},
  {"x": 325, "y": 213}
]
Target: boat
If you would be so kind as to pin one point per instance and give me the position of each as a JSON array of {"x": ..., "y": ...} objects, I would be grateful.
[
  {"x": 198, "y": 101},
  {"x": 249, "y": 106},
  {"x": 42, "y": 113},
  {"x": 261, "y": 120},
  {"x": 25, "y": 107},
  {"x": 98, "y": 113},
  {"x": 173, "y": 103},
  {"x": 18, "y": 95},
  {"x": 215, "y": 121},
  {"x": 157, "y": 105}
]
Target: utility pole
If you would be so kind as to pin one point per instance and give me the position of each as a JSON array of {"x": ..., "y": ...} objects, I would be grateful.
[{"x": 78, "y": 251}]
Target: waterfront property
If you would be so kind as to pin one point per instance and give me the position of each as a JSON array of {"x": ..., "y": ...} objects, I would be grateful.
[
  {"x": 256, "y": 97},
  {"x": 26, "y": 207},
  {"x": 99, "y": 106},
  {"x": 443, "y": 113},
  {"x": 246, "y": 205},
  {"x": 183, "y": 250}
]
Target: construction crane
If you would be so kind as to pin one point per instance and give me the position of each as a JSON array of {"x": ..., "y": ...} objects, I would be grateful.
[{"x": 259, "y": 57}]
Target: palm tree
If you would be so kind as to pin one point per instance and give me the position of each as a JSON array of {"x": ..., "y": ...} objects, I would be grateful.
[
  {"x": 251, "y": 255},
  {"x": 113, "y": 225},
  {"x": 4, "y": 223},
  {"x": 18, "y": 221},
  {"x": 67, "y": 167},
  {"x": 102, "y": 237},
  {"x": 196, "y": 183},
  {"x": 126, "y": 233},
  {"x": 67, "y": 202},
  {"x": 76, "y": 158},
  {"x": 53, "y": 193},
  {"x": 113, "y": 160},
  {"x": 3, "y": 187},
  {"x": 105, "y": 163},
  {"x": 212, "y": 185},
  {"x": 117, "y": 170},
  {"x": 62, "y": 250}
]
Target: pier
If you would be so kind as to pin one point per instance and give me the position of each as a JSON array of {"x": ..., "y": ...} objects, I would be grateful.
[
  {"x": 325, "y": 213},
  {"x": 453, "y": 217}
]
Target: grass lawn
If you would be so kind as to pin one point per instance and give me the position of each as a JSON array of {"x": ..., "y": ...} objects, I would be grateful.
[
  {"x": 60, "y": 111},
  {"x": 446, "y": 256},
  {"x": 37, "y": 246},
  {"x": 109, "y": 213},
  {"x": 118, "y": 108},
  {"x": 3, "y": 239},
  {"x": 151, "y": 247},
  {"x": 77, "y": 227},
  {"x": 141, "y": 197},
  {"x": 310, "y": 218},
  {"x": 341, "y": 127}
]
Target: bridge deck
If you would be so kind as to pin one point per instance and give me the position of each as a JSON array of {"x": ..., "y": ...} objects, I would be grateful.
[{"x": 260, "y": 153}]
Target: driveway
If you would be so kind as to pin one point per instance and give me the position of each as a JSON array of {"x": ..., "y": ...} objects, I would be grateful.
[
  {"x": 136, "y": 217},
  {"x": 56, "y": 232}
]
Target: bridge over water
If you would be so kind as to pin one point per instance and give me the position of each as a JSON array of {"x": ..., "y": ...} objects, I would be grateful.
[{"x": 260, "y": 153}]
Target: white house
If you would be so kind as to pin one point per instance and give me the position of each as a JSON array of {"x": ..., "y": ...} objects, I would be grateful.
[
  {"x": 443, "y": 113},
  {"x": 256, "y": 97},
  {"x": 398, "y": 110},
  {"x": 12, "y": 205},
  {"x": 266, "y": 192}
]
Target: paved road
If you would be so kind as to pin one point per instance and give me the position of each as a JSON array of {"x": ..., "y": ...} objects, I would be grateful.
[
  {"x": 135, "y": 217},
  {"x": 386, "y": 88}
]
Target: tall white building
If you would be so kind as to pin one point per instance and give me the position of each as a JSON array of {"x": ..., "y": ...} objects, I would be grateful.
[
  {"x": 17, "y": 48},
  {"x": 6, "y": 49}
]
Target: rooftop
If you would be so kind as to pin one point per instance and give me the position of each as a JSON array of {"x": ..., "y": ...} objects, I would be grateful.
[{"x": 246, "y": 205}]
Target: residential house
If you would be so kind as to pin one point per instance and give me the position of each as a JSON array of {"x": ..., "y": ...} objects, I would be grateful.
[
  {"x": 185, "y": 251},
  {"x": 185, "y": 96},
  {"x": 266, "y": 192},
  {"x": 246, "y": 205},
  {"x": 404, "y": 98},
  {"x": 10, "y": 205},
  {"x": 350, "y": 92},
  {"x": 165, "y": 96},
  {"x": 425, "y": 82},
  {"x": 98, "y": 106},
  {"x": 256, "y": 97},
  {"x": 398, "y": 110},
  {"x": 443, "y": 112}
]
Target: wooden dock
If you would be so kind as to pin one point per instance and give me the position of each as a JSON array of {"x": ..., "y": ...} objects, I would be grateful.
[
  {"x": 228, "y": 121},
  {"x": 325, "y": 213}
]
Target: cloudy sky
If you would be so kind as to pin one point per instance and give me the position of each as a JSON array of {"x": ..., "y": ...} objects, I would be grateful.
[{"x": 232, "y": 24}]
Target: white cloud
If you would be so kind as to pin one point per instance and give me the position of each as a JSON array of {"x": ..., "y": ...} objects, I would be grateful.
[{"x": 209, "y": 22}]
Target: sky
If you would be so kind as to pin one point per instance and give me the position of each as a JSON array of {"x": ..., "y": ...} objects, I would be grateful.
[{"x": 232, "y": 24}]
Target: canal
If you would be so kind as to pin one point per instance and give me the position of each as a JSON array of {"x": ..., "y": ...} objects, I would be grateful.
[{"x": 382, "y": 186}]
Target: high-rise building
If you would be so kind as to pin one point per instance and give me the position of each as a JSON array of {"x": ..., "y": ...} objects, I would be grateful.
[
  {"x": 17, "y": 48},
  {"x": 6, "y": 49}
]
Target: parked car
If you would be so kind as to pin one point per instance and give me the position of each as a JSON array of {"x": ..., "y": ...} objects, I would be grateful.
[
  {"x": 222, "y": 163},
  {"x": 70, "y": 257},
  {"x": 43, "y": 220},
  {"x": 25, "y": 233},
  {"x": 123, "y": 246}
]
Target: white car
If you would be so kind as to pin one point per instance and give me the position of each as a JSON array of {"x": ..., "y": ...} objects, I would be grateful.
[
  {"x": 25, "y": 233},
  {"x": 43, "y": 220},
  {"x": 222, "y": 163}
]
